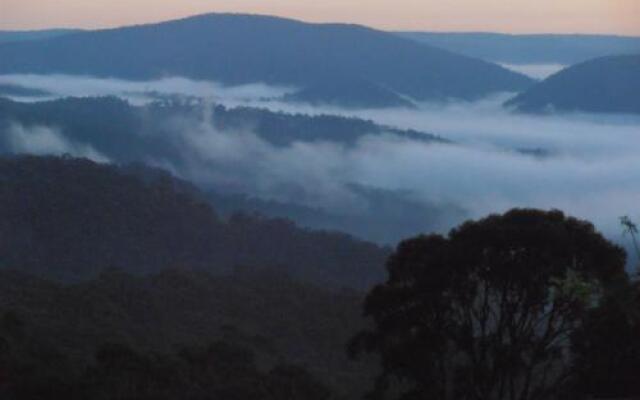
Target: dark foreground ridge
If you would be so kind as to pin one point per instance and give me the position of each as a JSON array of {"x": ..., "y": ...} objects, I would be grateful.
[
  {"x": 177, "y": 335},
  {"x": 69, "y": 219}
]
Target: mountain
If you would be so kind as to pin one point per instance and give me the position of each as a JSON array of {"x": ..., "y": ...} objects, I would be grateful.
[
  {"x": 349, "y": 94},
  {"x": 604, "y": 85},
  {"x": 529, "y": 49},
  {"x": 69, "y": 219},
  {"x": 20, "y": 36},
  {"x": 239, "y": 49}
]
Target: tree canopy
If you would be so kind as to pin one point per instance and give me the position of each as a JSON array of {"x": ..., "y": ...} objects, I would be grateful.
[{"x": 487, "y": 312}]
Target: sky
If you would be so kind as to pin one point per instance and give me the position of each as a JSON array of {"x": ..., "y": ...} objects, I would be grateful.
[{"x": 511, "y": 16}]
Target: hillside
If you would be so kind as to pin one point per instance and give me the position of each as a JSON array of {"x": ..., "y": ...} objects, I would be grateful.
[
  {"x": 162, "y": 134},
  {"x": 604, "y": 85},
  {"x": 529, "y": 49},
  {"x": 126, "y": 133},
  {"x": 265, "y": 314},
  {"x": 349, "y": 94},
  {"x": 69, "y": 219},
  {"x": 238, "y": 49}
]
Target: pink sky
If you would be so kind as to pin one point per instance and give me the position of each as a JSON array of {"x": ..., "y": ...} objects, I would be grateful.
[{"x": 515, "y": 16}]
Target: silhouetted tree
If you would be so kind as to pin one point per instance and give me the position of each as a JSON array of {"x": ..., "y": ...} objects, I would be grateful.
[
  {"x": 630, "y": 228},
  {"x": 487, "y": 312},
  {"x": 607, "y": 346}
]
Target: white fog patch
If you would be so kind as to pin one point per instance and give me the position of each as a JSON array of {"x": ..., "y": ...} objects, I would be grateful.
[
  {"x": 590, "y": 166},
  {"x": 592, "y": 169},
  {"x": 486, "y": 124},
  {"x": 141, "y": 92},
  {"x": 41, "y": 140},
  {"x": 593, "y": 174},
  {"x": 314, "y": 174},
  {"x": 535, "y": 71}
]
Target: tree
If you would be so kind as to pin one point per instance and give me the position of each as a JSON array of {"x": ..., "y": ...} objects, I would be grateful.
[
  {"x": 487, "y": 312},
  {"x": 631, "y": 229},
  {"x": 607, "y": 346}
]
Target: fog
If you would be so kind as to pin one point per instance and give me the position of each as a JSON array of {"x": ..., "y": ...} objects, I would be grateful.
[
  {"x": 536, "y": 71},
  {"x": 138, "y": 92},
  {"x": 586, "y": 165},
  {"x": 42, "y": 140},
  {"x": 589, "y": 164}
]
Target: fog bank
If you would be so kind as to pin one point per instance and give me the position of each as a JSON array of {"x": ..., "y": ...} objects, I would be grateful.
[{"x": 586, "y": 165}]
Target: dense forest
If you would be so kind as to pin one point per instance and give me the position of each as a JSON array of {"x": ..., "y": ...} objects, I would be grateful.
[
  {"x": 121, "y": 282},
  {"x": 114, "y": 219},
  {"x": 207, "y": 334}
]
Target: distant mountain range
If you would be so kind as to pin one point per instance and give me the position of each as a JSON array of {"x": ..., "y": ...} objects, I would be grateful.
[
  {"x": 529, "y": 49},
  {"x": 238, "y": 49},
  {"x": 20, "y": 36},
  {"x": 606, "y": 85}
]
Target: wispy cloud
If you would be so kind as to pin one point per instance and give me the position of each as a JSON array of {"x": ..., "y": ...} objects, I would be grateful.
[{"x": 41, "y": 140}]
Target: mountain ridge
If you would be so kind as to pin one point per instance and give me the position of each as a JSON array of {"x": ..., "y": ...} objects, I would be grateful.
[
  {"x": 282, "y": 52},
  {"x": 602, "y": 85},
  {"x": 522, "y": 49}
]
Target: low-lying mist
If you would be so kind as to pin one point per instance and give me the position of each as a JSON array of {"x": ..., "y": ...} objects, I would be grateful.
[
  {"x": 55, "y": 86},
  {"x": 535, "y": 71},
  {"x": 586, "y": 165}
]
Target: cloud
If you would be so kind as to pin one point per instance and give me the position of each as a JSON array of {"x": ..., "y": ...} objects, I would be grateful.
[
  {"x": 140, "y": 92},
  {"x": 592, "y": 171},
  {"x": 590, "y": 167},
  {"x": 314, "y": 174},
  {"x": 40, "y": 140},
  {"x": 536, "y": 71}
]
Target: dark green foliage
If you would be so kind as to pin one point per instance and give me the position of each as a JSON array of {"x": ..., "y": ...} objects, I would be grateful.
[
  {"x": 487, "y": 312},
  {"x": 118, "y": 372},
  {"x": 607, "y": 347},
  {"x": 240, "y": 49},
  {"x": 151, "y": 337},
  {"x": 605, "y": 85},
  {"x": 69, "y": 219},
  {"x": 216, "y": 371}
]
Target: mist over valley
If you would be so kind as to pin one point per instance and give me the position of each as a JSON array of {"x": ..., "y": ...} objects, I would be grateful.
[{"x": 245, "y": 206}]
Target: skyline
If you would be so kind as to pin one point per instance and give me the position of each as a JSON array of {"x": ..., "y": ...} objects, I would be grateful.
[{"x": 619, "y": 17}]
